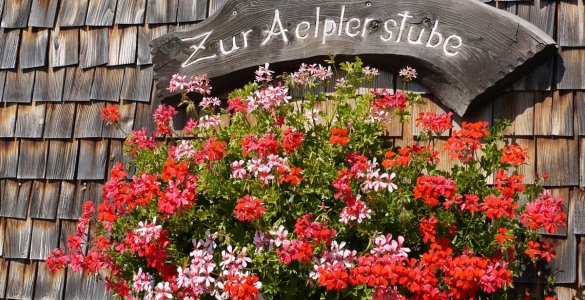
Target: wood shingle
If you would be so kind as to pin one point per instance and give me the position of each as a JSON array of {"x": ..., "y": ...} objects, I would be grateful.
[
  {"x": 137, "y": 85},
  {"x": 9, "y": 43},
  {"x": 59, "y": 120},
  {"x": 88, "y": 121},
  {"x": 43, "y": 239},
  {"x": 17, "y": 242},
  {"x": 15, "y": 13},
  {"x": 49, "y": 285},
  {"x": 192, "y": 10},
  {"x": 94, "y": 47},
  {"x": 92, "y": 160},
  {"x": 8, "y": 120},
  {"x": 62, "y": 160},
  {"x": 72, "y": 13},
  {"x": 19, "y": 86},
  {"x": 558, "y": 156},
  {"x": 572, "y": 23},
  {"x": 107, "y": 84},
  {"x": 8, "y": 158},
  {"x": 101, "y": 12},
  {"x": 161, "y": 11},
  {"x": 43, "y": 13},
  {"x": 77, "y": 85},
  {"x": 63, "y": 50},
  {"x": 44, "y": 200},
  {"x": 33, "y": 51},
  {"x": 571, "y": 69},
  {"x": 130, "y": 11},
  {"x": 21, "y": 278},
  {"x": 49, "y": 85},
  {"x": 123, "y": 42},
  {"x": 30, "y": 121},
  {"x": 32, "y": 159},
  {"x": 126, "y": 122}
]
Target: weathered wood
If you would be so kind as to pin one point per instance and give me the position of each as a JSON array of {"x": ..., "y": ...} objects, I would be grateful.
[
  {"x": 62, "y": 160},
  {"x": 49, "y": 85},
  {"x": 8, "y": 120},
  {"x": 21, "y": 86},
  {"x": 32, "y": 159},
  {"x": 517, "y": 107},
  {"x": 248, "y": 39},
  {"x": 2, "y": 81},
  {"x": 144, "y": 113},
  {"x": 192, "y": 10},
  {"x": 558, "y": 157},
  {"x": 137, "y": 85},
  {"x": 49, "y": 285},
  {"x": 543, "y": 113},
  {"x": 107, "y": 84},
  {"x": 78, "y": 84},
  {"x": 579, "y": 101},
  {"x": 30, "y": 121},
  {"x": 215, "y": 5},
  {"x": 126, "y": 122},
  {"x": 571, "y": 69},
  {"x": 9, "y": 41},
  {"x": 161, "y": 11},
  {"x": 66, "y": 207},
  {"x": 94, "y": 47},
  {"x": 540, "y": 13},
  {"x": 21, "y": 280},
  {"x": 101, "y": 12},
  {"x": 145, "y": 35},
  {"x": 582, "y": 163},
  {"x": 59, "y": 120},
  {"x": 16, "y": 13},
  {"x": 92, "y": 160},
  {"x": 16, "y": 199},
  {"x": 63, "y": 50},
  {"x": 44, "y": 239},
  {"x": 88, "y": 122},
  {"x": 17, "y": 240},
  {"x": 572, "y": 23},
  {"x": 72, "y": 13},
  {"x": 43, "y": 13},
  {"x": 130, "y": 11},
  {"x": 33, "y": 52},
  {"x": 562, "y": 114},
  {"x": 8, "y": 159},
  {"x": 82, "y": 286},
  {"x": 3, "y": 272},
  {"x": 44, "y": 200},
  {"x": 579, "y": 204},
  {"x": 123, "y": 45},
  {"x": 117, "y": 156}
]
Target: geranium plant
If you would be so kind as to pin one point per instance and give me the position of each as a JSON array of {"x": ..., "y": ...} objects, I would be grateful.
[{"x": 292, "y": 191}]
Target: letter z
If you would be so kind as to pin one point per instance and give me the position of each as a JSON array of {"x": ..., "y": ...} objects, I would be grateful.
[{"x": 196, "y": 48}]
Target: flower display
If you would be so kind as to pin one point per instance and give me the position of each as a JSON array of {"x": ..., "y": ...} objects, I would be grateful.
[{"x": 278, "y": 196}]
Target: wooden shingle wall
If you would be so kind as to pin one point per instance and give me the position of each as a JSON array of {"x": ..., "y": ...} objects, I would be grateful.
[{"x": 62, "y": 61}]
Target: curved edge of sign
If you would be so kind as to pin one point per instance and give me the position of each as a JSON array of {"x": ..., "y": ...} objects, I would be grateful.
[{"x": 483, "y": 48}]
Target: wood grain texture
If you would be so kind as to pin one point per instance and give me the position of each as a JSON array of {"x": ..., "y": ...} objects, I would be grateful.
[
  {"x": 33, "y": 51},
  {"x": 582, "y": 162},
  {"x": 543, "y": 113},
  {"x": 540, "y": 79},
  {"x": 562, "y": 114},
  {"x": 100, "y": 12},
  {"x": 63, "y": 49},
  {"x": 81, "y": 286},
  {"x": 2, "y": 80},
  {"x": 572, "y": 23},
  {"x": 49, "y": 285},
  {"x": 9, "y": 207},
  {"x": 2, "y": 272},
  {"x": 21, "y": 86},
  {"x": 517, "y": 107},
  {"x": 43, "y": 13},
  {"x": 66, "y": 207},
  {"x": 579, "y": 102},
  {"x": 107, "y": 84},
  {"x": 116, "y": 155},
  {"x": 571, "y": 69},
  {"x": 453, "y": 80},
  {"x": 145, "y": 35},
  {"x": 17, "y": 240},
  {"x": 192, "y": 10},
  {"x": 215, "y": 5},
  {"x": 123, "y": 42},
  {"x": 16, "y": 13},
  {"x": 8, "y": 158},
  {"x": 8, "y": 120},
  {"x": 62, "y": 160},
  {"x": 559, "y": 157},
  {"x": 9, "y": 42},
  {"x": 130, "y": 11},
  {"x": 72, "y": 13},
  {"x": 144, "y": 113},
  {"x": 59, "y": 120},
  {"x": 88, "y": 121},
  {"x": 137, "y": 85},
  {"x": 21, "y": 279},
  {"x": 579, "y": 219},
  {"x": 78, "y": 83},
  {"x": 92, "y": 160},
  {"x": 161, "y": 11},
  {"x": 49, "y": 85},
  {"x": 126, "y": 122},
  {"x": 540, "y": 13},
  {"x": 32, "y": 159},
  {"x": 94, "y": 47},
  {"x": 30, "y": 121},
  {"x": 44, "y": 238},
  {"x": 44, "y": 200}
]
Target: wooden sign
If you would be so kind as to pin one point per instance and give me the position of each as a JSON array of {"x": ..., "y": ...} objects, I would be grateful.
[{"x": 464, "y": 49}]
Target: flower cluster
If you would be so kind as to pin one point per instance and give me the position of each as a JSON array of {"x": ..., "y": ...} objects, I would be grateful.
[{"x": 208, "y": 210}]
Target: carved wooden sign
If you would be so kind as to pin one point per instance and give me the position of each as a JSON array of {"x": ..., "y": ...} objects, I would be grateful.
[{"x": 465, "y": 49}]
